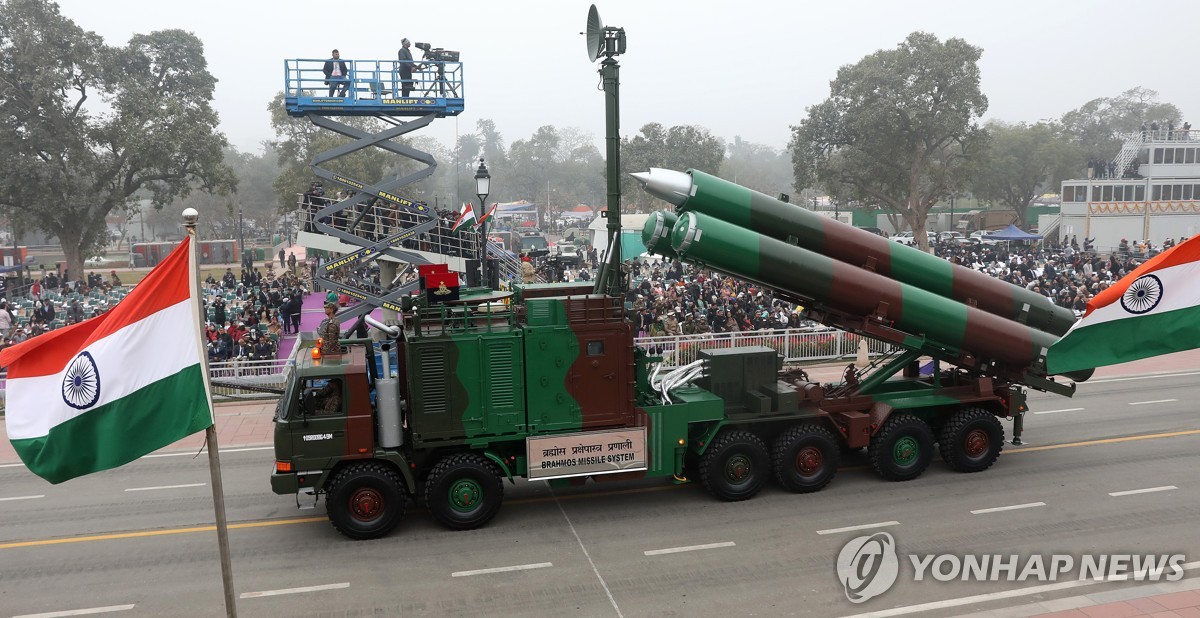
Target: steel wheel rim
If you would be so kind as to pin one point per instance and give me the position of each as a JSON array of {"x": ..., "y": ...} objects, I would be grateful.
[
  {"x": 976, "y": 443},
  {"x": 809, "y": 461},
  {"x": 906, "y": 450},
  {"x": 465, "y": 495},
  {"x": 366, "y": 504},
  {"x": 738, "y": 469}
]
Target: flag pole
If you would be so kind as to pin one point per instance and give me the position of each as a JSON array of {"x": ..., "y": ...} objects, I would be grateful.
[{"x": 210, "y": 434}]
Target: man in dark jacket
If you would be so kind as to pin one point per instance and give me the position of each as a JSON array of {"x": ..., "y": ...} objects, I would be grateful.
[
  {"x": 406, "y": 68},
  {"x": 337, "y": 76}
]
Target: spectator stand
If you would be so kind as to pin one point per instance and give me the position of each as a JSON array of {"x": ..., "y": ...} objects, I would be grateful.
[{"x": 348, "y": 225}]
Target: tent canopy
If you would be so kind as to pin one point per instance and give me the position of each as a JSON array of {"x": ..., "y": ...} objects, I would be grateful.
[{"x": 1011, "y": 232}]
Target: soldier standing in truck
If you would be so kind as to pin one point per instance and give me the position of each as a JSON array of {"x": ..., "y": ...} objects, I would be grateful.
[{"x": 329, "y": 331}]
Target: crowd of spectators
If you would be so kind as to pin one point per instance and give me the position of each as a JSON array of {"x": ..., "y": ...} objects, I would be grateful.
[
  {"x": 672, "y": 298},
  {"x": 35, "y": 303},
  {"x": 377, "y": 219},
  {"x": 247, "y": 314}
]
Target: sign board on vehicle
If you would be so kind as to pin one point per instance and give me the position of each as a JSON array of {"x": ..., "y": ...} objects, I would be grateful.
[{"x": 586, "y": 453}]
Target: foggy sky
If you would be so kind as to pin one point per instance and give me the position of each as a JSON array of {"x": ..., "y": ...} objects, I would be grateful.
[{"x": 744, "y": 69}]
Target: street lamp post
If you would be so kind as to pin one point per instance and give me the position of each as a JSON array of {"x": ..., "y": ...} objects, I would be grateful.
[
  {"x": 241, "y": 240},
  {"x": 953, "y": 223},
  {"x": 483, "y": 181}
]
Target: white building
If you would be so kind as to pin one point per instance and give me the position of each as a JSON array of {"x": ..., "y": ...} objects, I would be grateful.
[{"x": 1155, "y": 196}]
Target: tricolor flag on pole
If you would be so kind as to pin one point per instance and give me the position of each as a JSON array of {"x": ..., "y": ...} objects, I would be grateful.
[
  {"x": 466, "y": 217},
  {"x": 489, "y": 214},
  {"x": 1151, "y": 311},
  {"x": 103, "y": 392}
]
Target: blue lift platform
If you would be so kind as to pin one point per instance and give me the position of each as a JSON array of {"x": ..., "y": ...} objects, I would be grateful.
[{"x": 373, "y": 88}]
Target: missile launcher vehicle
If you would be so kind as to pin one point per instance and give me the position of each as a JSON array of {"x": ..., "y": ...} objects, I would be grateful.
[{"x": 545, "y": 382}]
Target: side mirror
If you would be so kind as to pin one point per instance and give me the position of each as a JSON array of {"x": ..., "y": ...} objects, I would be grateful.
[{"x": 308, "y": 404}]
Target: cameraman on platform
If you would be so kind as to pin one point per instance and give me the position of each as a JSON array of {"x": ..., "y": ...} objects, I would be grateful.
[{"x": 406, "y": 68}]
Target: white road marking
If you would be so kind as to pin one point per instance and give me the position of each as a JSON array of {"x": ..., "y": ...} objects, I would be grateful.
[
  {"x": 1057, "y": 411},
  {"x": 862, "y": 527},
  {"x": 275, "y": 593},
  {"x": 16, "y": 465},
  {"x": 1143, "y": 403},
  {"x": 1142, "y": 491},
  {"x": 519, "y": 567},
  {"x": 80, "y": 612},
  {"x": 677, "y": 550},
  {"x": 603, "y": 584},
  {"x": 23, "y": 498},
  {"x": 1027, "y": 505},
  {"x": 166, "y": 487},
  {"x": 1005, "y": 594}
]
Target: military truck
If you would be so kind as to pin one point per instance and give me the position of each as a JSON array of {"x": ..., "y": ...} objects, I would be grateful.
[{"x": 545, "y": 383}]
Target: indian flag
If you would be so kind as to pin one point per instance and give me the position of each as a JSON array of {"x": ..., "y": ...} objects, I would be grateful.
[
  {"x": 103, "y": 392},
  {"x": 1153, "y": 310},
  {"x": 490, "y": 213},
  {"x": 465, "y": 217}
]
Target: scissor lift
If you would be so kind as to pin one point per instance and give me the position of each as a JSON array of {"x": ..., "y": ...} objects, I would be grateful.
[{"x": 372, "y": 88}]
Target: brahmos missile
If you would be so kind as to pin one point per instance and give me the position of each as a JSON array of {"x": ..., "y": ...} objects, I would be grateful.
[
  {"x": 695, "y": 191},
  {"x": 964, "y": 334}
]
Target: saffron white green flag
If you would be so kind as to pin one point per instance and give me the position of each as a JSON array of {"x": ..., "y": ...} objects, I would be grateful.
[
  {"x": 466, "y": 217},
  {"x": 103, "y": 392},
  {"x": 1151, "y": 311}
]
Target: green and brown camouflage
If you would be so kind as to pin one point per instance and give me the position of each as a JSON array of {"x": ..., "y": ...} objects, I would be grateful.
[
  {"x": 496, "y": 381},
  {"x": 696, "y": 191},
  {"x": 867, "y": 302},
  {"x": 496, "y": 387}
]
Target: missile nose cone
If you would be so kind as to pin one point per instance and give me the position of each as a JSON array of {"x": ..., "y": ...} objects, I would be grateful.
[{"x": 670, "y": 185}]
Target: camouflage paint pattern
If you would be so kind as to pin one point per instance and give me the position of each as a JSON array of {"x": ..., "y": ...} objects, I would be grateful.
[
  {"x": 838, "y": 285},
  {"x": 783, "y": 221}
]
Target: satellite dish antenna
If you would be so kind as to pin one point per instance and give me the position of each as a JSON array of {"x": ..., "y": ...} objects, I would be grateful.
[{"x": 595, "y": 34}]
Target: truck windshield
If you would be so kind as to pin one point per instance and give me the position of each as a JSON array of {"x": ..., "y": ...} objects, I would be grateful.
[{"x": 533, "y": 243}]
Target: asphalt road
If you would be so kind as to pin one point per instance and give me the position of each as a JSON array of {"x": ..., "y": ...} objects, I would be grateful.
[{"x": 141, "y": 535}]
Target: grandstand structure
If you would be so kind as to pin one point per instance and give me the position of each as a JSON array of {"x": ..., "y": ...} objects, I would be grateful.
[
  {"x": 370, "y": 88},
  {"x": 378, "y": 223},
  {"x": 95, "y": 301}
]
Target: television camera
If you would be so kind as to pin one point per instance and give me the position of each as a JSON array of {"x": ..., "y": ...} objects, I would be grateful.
[
  {"x": 436, "y": 54},
  {"x": 441, "y": 56}
]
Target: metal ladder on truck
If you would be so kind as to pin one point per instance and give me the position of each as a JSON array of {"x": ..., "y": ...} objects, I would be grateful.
[{"x": 370, "y": 83}]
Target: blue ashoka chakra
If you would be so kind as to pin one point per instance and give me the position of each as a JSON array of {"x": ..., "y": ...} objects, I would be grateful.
[
  {"x": 81, "y": 384},
  {"x": 1143, "y": 294}
]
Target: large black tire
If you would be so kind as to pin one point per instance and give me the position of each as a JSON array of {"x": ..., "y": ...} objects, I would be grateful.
[
  {"x": 366, "y": 500},
  {"x": 902, "y": 448},
  {"x": 805, "y": 458},
  {"x": 735, "y": 466},
  {"x": 971, "y": 440},
  {"x": 464, "y": 491}
]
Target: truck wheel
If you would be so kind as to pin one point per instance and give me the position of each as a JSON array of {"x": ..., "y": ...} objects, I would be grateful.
[
  {"x": 365, "y": 500},
  {"x": 805, "y": 458},
  {"x": 735, "y": 466},
  {"x": 902, "y": 448},
  {"x": 971, "y": 440},
  {"x": 464, "y": 491}
]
